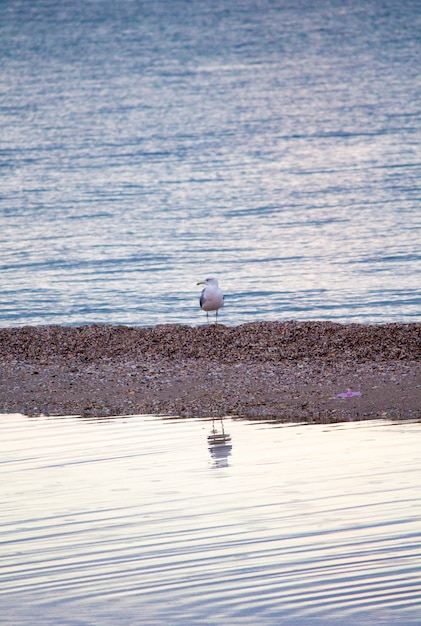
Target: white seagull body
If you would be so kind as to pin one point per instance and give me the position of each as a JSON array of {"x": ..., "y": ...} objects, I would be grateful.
[{"x": 211, "y": 298}]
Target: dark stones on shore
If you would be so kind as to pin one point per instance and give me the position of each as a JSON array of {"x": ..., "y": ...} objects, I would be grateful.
[{"x": 257, "y": 341}]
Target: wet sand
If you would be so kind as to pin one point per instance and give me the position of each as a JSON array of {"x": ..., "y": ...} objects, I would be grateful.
[{"x": 290, "y": 371}]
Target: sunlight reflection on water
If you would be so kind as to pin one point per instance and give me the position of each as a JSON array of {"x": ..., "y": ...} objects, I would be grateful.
[{"x": 105, "y": 519}]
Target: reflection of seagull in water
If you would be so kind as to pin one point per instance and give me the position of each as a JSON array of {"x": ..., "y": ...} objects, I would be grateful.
[
  {"x": 220, "y": 445},
  {"x": 211, "y": 298}
]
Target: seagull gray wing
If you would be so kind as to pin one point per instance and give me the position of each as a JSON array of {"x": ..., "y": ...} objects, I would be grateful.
[{"x": 202, "y": 297}]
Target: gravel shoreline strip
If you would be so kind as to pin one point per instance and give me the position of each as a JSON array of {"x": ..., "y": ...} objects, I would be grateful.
[{"x": 289, "y": 371}]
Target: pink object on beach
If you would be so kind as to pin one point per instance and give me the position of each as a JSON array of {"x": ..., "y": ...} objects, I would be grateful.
[{"x": 348, "y": 394}]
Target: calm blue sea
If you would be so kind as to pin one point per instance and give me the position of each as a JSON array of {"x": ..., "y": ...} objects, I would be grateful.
[{"x": 148, "y": 144}]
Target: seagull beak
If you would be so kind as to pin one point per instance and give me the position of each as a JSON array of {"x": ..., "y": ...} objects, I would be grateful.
[{"x": 201, "y": 283}]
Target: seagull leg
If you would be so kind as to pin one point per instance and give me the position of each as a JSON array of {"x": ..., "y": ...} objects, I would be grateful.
[{"x": 216, "y": 317}]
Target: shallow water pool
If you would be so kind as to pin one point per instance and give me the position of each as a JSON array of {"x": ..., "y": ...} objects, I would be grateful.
[{"x": 134, "y": 520}]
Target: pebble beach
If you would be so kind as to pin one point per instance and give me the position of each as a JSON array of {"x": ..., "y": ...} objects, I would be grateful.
[{"x": 286, "y": 371}]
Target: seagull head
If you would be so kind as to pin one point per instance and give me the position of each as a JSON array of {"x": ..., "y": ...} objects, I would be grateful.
[{"x": 210, "y": 281}]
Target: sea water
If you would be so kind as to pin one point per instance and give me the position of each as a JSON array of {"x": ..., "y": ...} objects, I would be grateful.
[
  {"x": 146, "y": 145},
  {"x": 135, "y": 520}
]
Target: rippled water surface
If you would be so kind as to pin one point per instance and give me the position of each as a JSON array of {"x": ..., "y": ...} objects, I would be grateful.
[
  {"x": 134, "y": 520},
  {"x": 145, "y": 145}
]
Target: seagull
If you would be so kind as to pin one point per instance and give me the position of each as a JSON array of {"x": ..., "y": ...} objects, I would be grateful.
[{"x": 211, "y": 298}]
